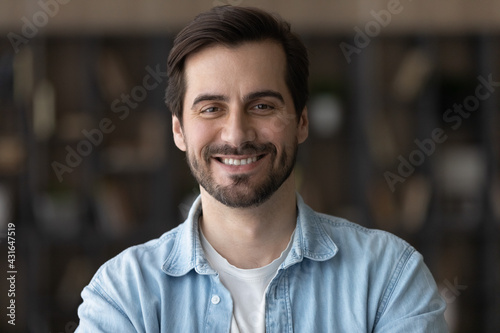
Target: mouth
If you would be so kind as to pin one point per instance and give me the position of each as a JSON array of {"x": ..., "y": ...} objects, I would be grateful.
[{"x": 238, "y": 161}]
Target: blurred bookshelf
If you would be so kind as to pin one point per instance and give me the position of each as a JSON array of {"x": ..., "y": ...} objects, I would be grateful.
[{"x": 128, "y": 183}]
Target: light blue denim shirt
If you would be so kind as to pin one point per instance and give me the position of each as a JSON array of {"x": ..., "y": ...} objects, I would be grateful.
[{"x": 338, "y": 277}]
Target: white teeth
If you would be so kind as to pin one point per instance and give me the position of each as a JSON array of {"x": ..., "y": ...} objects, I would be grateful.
[{"x": 231, "y": 161}]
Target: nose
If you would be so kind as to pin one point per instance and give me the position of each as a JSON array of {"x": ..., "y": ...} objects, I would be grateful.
[{"x": 238, "y": 128}]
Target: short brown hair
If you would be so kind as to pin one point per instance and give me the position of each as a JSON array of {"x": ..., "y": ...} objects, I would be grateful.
[{"x": 231, "y": 26}]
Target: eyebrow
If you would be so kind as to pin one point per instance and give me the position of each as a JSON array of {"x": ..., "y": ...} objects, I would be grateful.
[
  {"x": 264, "y": 93},
  {"x": 208, "y": 97},
  {"x": 247, "y": 98}
]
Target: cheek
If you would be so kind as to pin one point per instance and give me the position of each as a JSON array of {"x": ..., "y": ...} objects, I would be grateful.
[
  {"x": 199, "y": 137},
  {"x": 271, "y": 130},
  {"x": 266, "y": 134},
  {"x": 278, "y": 127},
  {"x": 278, "y": 133}
]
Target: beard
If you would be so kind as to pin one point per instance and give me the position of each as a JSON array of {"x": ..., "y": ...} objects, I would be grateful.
[{"x": 242, "y": 192}]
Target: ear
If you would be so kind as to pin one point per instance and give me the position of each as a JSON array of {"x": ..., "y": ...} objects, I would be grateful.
[
  {"x": 179, "y": 139},
  {"x": 303, "y": 126}
]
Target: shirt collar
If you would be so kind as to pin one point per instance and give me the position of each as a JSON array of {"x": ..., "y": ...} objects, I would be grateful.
[
  {"x": 310, "y": 241},
  {"x": 187, "y": 252}
]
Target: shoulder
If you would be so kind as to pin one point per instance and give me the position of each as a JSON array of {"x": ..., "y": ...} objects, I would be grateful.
[
  {"x": 373, "y": 247},
  {"x": 386, "y": 269},
  {"x": 345, "y": 236},
  {"x": 135, "y": 268},
  {"x": 383, "y": 260},
  {"x": 144, "y": 256},
  {"x": 342, "y": 230},
  {"x": 113, "y": 297}
]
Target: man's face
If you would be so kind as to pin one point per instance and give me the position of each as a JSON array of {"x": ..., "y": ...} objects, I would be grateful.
[{"x": 239, "y": 127}]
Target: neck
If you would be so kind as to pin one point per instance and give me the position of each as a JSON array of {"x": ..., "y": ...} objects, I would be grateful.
[{"x": 251, "y": 237}]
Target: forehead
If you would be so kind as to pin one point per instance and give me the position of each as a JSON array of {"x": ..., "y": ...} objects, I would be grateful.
[{"x": 245, "y": 65}]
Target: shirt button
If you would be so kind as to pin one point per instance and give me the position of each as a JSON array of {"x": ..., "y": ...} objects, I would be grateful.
[{"x": 215, "y": 299}]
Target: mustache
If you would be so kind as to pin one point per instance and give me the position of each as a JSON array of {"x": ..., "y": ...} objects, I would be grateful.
[{"x": 248, "y": 148}]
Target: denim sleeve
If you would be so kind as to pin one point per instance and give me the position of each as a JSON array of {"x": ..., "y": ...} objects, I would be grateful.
[
  {"x": 411, "y": 301},
  {"x": 98, "y": 313}
]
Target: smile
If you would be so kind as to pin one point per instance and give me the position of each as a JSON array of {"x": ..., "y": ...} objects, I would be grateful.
[{"x": 236, "y": 161}]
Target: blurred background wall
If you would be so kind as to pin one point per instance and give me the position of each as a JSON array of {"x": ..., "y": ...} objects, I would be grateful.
[{"x": 404, "y": 137}]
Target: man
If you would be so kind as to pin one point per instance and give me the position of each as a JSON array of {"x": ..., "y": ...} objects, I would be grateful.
[{"x": 251, "y": 256}]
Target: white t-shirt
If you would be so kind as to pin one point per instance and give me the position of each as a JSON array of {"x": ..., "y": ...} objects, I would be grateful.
[{"x": 247, "y": 288}]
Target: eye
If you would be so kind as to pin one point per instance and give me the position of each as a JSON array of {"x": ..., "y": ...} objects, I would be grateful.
[
  {"x": 210, "y": 109},
  {"x": 263, "y": 107}
]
